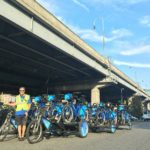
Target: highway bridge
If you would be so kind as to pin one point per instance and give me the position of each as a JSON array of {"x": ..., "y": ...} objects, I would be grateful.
[{"x": 41, "y": 53}]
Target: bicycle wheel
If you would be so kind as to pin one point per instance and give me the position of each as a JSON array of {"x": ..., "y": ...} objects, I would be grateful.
[
  {"x": 4, "y": 130},
  {"x": 112, "y": 128},
  {"x": 34, "y": 132},
  {"x": 83, "y": 128},
  {"x": 67, "y": 114},
  {"x": 130, "y": 124}
]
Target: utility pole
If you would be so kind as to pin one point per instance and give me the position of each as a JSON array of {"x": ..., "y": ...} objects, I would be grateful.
[{"x": 122, "y": 89}]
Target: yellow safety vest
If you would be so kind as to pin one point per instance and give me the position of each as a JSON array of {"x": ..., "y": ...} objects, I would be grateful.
[{"x": 22, "y": 105}]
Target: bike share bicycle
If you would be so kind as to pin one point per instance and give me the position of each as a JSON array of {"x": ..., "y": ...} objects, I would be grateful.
[
  {"x": 45, "y": 123},
  {"x": 103, "y": 118},
  {"x": 9, "y": 124},
  {"x": 123, "y": 117},
  {"x": 56, "y": 120},
  {"x": 74, "y": 116}
]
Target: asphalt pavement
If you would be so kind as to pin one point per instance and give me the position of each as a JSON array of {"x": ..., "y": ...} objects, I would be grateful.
[{"x": 136, "y": 139}]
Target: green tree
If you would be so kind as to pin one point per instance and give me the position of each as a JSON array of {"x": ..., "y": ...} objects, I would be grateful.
[{"x": 136, "y": 108}]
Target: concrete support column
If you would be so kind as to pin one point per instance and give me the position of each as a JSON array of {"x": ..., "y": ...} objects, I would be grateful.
[
  {"x": 95, "y": 95},
  {"x": 148, "y": 106},
  {"x": 130, "y": 100}
]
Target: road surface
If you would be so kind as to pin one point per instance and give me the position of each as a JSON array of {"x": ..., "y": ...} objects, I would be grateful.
[{"x": 136, "y": 139}]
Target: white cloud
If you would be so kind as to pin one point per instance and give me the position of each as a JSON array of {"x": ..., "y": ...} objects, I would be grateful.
[
  {"x": 117, "y": 5},
  {"x": 129, "y": 2},
  {"x": 49, "y": 5},
  {"x": 131, "y": 64},
  {"x": 134, "y": 1},
  {"x": 87, "y": 34},
  {"x": 52, "y": 7},
  {"x": 137, "y": 50},
  {"x": 81, "y": 5},
  {"x": 119, "y": 33},
  {"x": 145, "y": 21},
  {"x": 94, "y": 36}
]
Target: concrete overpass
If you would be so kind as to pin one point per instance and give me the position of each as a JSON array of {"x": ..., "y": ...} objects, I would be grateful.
[{"x": 41, "y": 53}]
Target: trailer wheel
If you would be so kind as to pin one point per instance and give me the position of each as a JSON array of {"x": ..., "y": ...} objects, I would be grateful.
[
  {"x": 130, "y": 125},
  {"x": 83, "y": 128},
  {"x": 112, "y": 129}
]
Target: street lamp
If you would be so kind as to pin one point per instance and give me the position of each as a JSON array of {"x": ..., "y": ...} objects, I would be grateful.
[
  {"x": 94, "y": 27},
  {"x": 135, "y": 73}
]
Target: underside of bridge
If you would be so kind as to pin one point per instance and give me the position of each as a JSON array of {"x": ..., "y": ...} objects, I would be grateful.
[{"x": 26, "y": 60}]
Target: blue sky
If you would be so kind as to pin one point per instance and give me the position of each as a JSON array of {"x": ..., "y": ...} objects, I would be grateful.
[{"x": 124, "y": 24}]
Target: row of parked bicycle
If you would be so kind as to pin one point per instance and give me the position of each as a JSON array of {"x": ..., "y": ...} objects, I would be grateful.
[{"x": 50, "y": 116}]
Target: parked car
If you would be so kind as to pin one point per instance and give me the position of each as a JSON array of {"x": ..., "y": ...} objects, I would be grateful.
[
  {"x": 146, "y": 116},
  {"x": 133, "y": 118}
]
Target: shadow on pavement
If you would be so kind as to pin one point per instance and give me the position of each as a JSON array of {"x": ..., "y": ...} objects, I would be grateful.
[{"x": 9, "y": 138}]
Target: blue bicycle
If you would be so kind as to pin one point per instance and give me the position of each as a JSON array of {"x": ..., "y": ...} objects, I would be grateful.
[
  {"x": 75, "y": 116},
  {"x": 103, "y": 119},
  {"x": 8, "y": 124},
  {"x": 44, "y": 123},
  {"x": 123, "y": 117}
]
